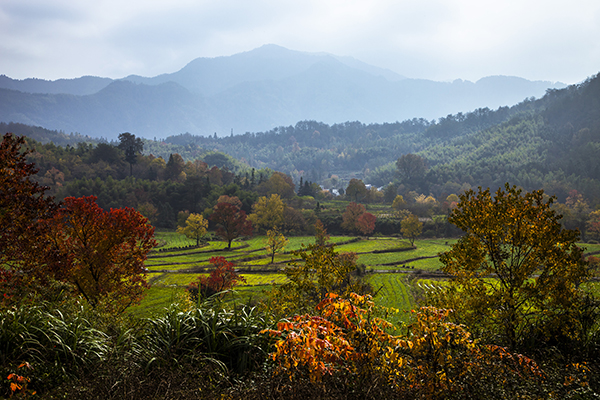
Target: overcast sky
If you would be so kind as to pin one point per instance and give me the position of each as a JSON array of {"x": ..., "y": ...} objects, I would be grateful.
[{"x": 554, "y": 40}]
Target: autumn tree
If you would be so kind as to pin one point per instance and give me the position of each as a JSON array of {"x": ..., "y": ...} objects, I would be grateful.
[
  {"x": 366, "y": 223},
  {"x": 516, "y": 272},
  {"x": 103, "y": 251},
  {"x": 195, "y": 227},
  {"x": 149, "y": 211},
  {"x": 267, "y": 212},
  {"x": 322, "y": 270},
  {"x": 293, "y": 220},
  {"x": 233, "y": 200},
  {"x": 411, "y": 228},
  {"x": 275, "y": 242},
  {"x": 280, "y": 184},
  {"x": 578, "y": 212},
  {"x": 231, "y": 222},
  {"x": 593, "y": 224},
  {"x": 353, "y": 220},
  {"x": 399, "y": 203},
  {"x": 23, "y": 207},
  {"x": 345, "y": 347},
  {"x": 222, "y": 278}
]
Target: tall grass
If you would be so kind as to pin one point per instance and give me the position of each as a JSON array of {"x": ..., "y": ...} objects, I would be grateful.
[{"x": 75, "y": 347}]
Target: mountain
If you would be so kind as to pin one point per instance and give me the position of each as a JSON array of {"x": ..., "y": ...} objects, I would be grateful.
[
  {"x": 78, "y": 86},
  {"x": 252, "y": 91},
  {"x": 551, "y": 143},
  {"x": 210, "y": 76}
]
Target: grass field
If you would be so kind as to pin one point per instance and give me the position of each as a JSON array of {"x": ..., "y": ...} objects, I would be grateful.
[
  {"x": 168, "y": 268},
  {"x": 392, "y": 291},
  {"x": 168, "y": 276}
]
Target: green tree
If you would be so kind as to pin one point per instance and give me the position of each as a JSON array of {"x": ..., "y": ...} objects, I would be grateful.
[
  {"x": 275, "y": 242},
  {"x": 411, "y": 167},
  {"x": 390, "y": 192},
  {"x": 323, "y": 270},
  {"x": 411, "y": 228},
  {"x": 516, "y": 272},
  {"x": 175, "y": 167},
  {"x": 356, "y": 189},
  {"x": 131, "y": 146},
  {"x": 195, "y": 227}
]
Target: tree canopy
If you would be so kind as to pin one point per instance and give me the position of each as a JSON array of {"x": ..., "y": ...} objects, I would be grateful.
[
  {"x": 231, "y": 222},
  {"x": 103, "y": 252},
  {"x": 517, "y": 239},
  {"x": 195, "y": 227},
  {"x": 23, "y": 207}
]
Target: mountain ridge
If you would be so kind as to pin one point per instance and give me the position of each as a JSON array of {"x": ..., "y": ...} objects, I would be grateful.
[{"x": 252, "y": 91}]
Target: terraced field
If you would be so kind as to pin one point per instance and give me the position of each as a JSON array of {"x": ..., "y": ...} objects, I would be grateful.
[{"x": 175, "y": 264}]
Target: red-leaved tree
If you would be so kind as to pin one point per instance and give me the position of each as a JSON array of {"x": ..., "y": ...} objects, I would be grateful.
[
  {"x": 231, "y": 222},
  {"x": 24, "y": 256},
  {"x": 103, "y": 251},
  {"x": 366, "y": 223},
  {"x": 223, "y": 277},
  {"x": 357, "y": 220}
]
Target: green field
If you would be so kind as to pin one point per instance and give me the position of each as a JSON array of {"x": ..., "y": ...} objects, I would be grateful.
[
  {"x": 392, "y": 291},
  {"x": 168, "y": 268},
  {"x": 168, "y": 274}
]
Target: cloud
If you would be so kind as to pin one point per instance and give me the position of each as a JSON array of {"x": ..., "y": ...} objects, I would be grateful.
[{"x": 435, "y": 39}]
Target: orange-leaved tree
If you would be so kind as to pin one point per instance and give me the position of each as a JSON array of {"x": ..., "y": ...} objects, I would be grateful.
[
  {"x": 222, "y": 278},
  {"x": 366, "y": 223},
  {"x": 346, "y": 347},
  {"x": 103, "y": 251},
  {"x": 350, "y": 217}
]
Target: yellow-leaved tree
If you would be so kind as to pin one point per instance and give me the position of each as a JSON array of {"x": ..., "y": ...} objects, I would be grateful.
[
  {"x": 275, "y": 242},
  {"x": 267, "y": 213},
  {"x": 516, "y": 273},
  {"x": 322, "y": 270},
  {"x": 195, "y": 227},
  {"x": 411, "y": 228}
]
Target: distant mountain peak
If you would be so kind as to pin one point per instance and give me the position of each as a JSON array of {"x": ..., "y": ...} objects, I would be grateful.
[{"x": 252, "y": 91}]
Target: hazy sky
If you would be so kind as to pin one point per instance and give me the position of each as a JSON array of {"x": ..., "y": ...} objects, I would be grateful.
[{"x": 555, "y": 40}]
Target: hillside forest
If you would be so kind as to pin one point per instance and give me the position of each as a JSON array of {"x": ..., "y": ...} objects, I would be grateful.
[
  {"x": 551, "y": 144},
  {"x": 512, "y": 311}
]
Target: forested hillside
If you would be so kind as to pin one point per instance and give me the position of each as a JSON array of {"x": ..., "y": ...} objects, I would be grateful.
[{"x": 550, "y": 143}]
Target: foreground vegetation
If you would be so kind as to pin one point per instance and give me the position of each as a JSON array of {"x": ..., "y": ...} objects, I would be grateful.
[{"x": 230, "y": 347}]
